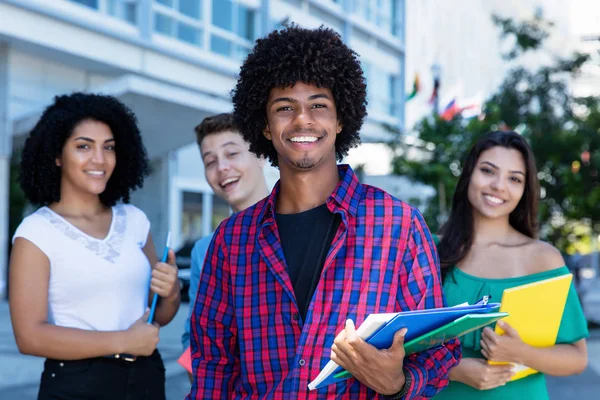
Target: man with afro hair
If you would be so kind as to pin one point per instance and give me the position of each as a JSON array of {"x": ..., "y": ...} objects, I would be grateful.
[{"x": 284, "y": 279}]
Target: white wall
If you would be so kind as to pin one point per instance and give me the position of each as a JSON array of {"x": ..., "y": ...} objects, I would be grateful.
[
  {"x": 585, "y": 25},
  {"x": 36, "y": 80}
]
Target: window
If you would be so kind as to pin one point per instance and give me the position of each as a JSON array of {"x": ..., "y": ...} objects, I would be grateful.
[
  {"x": 381, "y": 92},
  {"x": 122, "y": 9},
  {"x": 380, "y": 12},
  {"x": 89, "y": 3},
  {"x": 191, "y": 8},
  {"x": 181, "y": 19},
  {"x": 221, "y": 211},
  {"x": 231, "y": 25},
  {"x": 191, "y": 217},
  {"x": 233, "y": 28}
]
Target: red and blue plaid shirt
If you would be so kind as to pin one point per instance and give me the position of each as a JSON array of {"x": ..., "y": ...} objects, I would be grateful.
[{"x": 247, "y": 338}]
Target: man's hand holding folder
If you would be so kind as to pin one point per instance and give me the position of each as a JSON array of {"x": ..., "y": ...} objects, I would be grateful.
[
  {"x": 384, "y": 340},
  {"x": 381, "y": 370}
]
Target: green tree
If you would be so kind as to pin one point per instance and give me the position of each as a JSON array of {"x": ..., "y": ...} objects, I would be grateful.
[{"x": 564, "y": 133}]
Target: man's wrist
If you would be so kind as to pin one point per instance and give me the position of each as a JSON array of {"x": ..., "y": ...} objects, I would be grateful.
[{"x": 400, "y": 395}]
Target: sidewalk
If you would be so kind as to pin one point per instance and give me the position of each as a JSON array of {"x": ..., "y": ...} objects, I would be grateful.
[
  {"x": 20, "y": 375},
  {"x": 590, "y": 299}
]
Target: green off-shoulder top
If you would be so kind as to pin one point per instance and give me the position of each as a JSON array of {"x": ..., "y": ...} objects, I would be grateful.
[{"x": 460, "y": 287}]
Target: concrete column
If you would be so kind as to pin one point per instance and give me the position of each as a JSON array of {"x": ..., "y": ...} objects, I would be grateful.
[
  {"x": 153, "y": 199},
  {"x": 207, "y": 212},
  {"x": 347, "y": 29},
  {"x": 265, "y": 18},
  {"x": 400, "y": 84},
  {"x": 5, "y": 153}
]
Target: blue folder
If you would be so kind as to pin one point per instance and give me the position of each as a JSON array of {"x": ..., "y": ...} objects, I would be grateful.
[{"x": 418, "y": 323}]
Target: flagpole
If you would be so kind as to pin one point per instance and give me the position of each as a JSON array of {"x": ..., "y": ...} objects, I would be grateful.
[{"x": 436, "y": 72}]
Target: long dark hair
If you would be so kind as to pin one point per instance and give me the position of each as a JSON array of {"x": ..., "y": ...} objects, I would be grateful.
[{"x": 457, "y": 232}]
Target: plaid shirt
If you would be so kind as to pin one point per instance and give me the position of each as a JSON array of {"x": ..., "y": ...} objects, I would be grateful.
[{"x": 247, "y": 338}]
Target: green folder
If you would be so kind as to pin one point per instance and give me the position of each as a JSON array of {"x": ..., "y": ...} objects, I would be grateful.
[
  {"x": 454, "y": 329},
  {"x": 457, "y": 328}
]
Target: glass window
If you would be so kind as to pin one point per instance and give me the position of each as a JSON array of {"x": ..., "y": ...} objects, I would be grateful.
[
  {"x": 220, "y": 45},
  {"x": 89, "y": 3},
  {"x": 183, "y": 20},
  {"x": 380, "y": 90},
  {"x": 163, "y": 24},
  {"x": 122, "y": 9},
  {"x": 230, "y": 17},
  {"x": 380, "y": 12},
  {"x": 363, "y": 8},
  {"x": 191, "y": 217},
  {"x": 234, "y": 17},
  {"x": 246, "y": 23},
  {"x": 221, "y": 211},
  {"x": 393, "y": 95},
  {"x": 191, "y": 8},
  {"x": 384, "y": 15},
  {"x": 188, "y": 33},
  {"x": 131, "y": 13},
  {"x": 222, "y": 14}
]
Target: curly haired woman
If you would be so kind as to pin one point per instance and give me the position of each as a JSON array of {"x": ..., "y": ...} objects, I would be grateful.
[{"x": 81, "y": 265}]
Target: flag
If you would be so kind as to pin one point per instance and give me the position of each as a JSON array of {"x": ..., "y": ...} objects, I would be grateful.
[
  {"x": 450, "y": 110},
  {"x": 416, "y": 88},
  {"x": 471, "y": 107}
]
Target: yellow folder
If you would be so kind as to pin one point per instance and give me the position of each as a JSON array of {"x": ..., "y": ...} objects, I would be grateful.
[{"x": 535, "y": 311}]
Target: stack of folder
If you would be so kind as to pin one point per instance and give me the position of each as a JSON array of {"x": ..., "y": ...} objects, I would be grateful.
[{"x": 426, "y": 329}]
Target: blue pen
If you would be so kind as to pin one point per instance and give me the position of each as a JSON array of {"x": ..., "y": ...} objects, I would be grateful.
[{"x": 155, "y": 298}]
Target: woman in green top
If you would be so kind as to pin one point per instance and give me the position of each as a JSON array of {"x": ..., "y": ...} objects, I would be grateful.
[{"x": 489, "y": 244}]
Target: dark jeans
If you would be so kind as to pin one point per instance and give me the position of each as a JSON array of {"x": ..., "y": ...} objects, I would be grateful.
[{"x": 104, "y": 378}]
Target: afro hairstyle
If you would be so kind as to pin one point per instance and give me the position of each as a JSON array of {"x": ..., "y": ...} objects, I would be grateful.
[
  {"x": 40, "y": 177},
  {"x": 291, "y": 55}
]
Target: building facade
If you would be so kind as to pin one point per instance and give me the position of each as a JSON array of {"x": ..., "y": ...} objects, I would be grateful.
[
  {"x": 173, "y": 62},
  {"x": 585, "y": 28},
  {"x": 458, "y": 42}
]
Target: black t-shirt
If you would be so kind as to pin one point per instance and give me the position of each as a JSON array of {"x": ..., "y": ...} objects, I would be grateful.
[{"x": 306, "y": 238}]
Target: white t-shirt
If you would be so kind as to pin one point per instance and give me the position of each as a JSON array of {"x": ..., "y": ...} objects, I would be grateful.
[{"x": 95, "y": 284}]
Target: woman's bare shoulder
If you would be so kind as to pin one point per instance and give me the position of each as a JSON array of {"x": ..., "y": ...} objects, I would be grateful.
[{"x": 544, "y": 257}]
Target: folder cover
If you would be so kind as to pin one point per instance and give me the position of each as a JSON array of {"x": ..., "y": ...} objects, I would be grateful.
[
  {"x": 379, "y": 330},
  {"x": 186, "y": 360},
  {"x": 454, "y": 329},
  {"x": 536, "y": 311}
]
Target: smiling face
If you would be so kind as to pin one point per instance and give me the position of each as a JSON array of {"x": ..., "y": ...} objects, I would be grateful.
[
  {"x": 231, "y": 170},
  {"x": 88, "y": 158},
  {"x": 302, "y": 124},
  {"x": 497, "y": 183}
]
